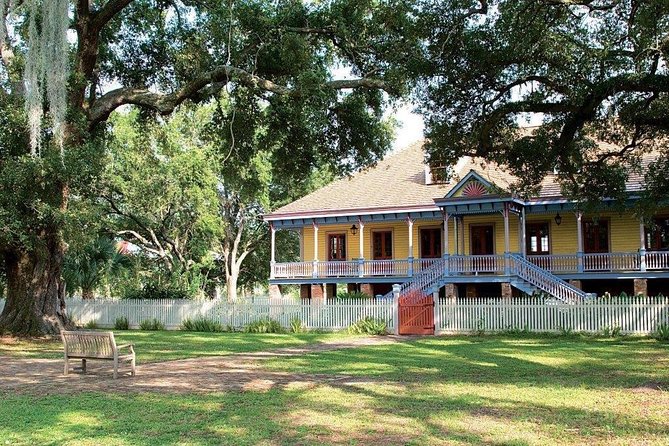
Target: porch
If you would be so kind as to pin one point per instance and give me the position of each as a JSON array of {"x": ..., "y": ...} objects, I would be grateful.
[{"x": 495, "y": 265}]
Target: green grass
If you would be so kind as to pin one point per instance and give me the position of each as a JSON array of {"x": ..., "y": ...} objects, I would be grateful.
[
  {"x": 460, "y": 390},
  {"x": 152, "y": 346}
]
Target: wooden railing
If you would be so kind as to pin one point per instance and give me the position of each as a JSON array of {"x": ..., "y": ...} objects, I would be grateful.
[
  {"x": 493, "y": 264},
  {"x": 611, "y": 261},
  {"x": 481, "y": 264},
  {"x": 376, "y": 268},
  {"x": 657, "y": 260},
  {"x": 544, "y": 280},
  {"x": 564, "y": 263}
]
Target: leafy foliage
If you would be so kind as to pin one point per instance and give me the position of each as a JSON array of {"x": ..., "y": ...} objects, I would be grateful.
[
  {"x": 353, "y": 295},
  {"x": 297, "y": 326},
  {"x": 157, "y": 291},
  {"x": 202, "y": 324},
  {"x": 589, "y": 72},
  {"x": 121, "y": 323},
  {"x": 85, "y": 270},
  {"x": 151, "y": 325},
  {"x": 369, "y": 326},
  {"x": 662, "y": 332},
  {"x": 264, "y": 325}
]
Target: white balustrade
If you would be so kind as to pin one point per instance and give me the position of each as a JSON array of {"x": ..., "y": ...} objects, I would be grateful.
[
  {"x": 657, "y": 260},
  {"x": 611, "y": 261}
]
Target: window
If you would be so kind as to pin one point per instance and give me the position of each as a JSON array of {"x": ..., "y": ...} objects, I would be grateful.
[
  {"x": 430, "y": 243},
  {"x": 337, "y": 247},
  {"x": 657, "y": 235},
  {"x": 382, "y": 245},
  {"x": 596, "y": 236},
  {"x": 537, "y": 241}
]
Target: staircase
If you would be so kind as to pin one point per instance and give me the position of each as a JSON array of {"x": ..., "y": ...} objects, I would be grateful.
[
  {"x": 422, "y": 283},
  {"x": 526, "y": 276},
  {"x": 530, "y": 278}
]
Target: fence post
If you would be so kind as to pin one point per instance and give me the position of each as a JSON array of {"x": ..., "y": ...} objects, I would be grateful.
[
  {"x": 396, "y": 308},
  {"x": 437, "y": 315}
]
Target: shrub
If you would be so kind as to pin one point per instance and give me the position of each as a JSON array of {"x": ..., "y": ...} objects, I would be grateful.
[
  {"x": 296, "y": 326},
  {"x": 353, "y": 295},
  {"x": 91, "y": 325},
  {"x": 203, "y": 325},
  {"x": 369, "y": 326},
  {"x": 662, "y": 332},
  {"x": 265, "y": 325},
  {"x": 611, "y": 332},
  {"x": 152, "y": 325},
  {"x": 121, "y": 323}
]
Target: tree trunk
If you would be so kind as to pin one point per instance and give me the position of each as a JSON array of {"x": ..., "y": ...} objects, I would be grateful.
[
  {"x": 87, "y": 293},
  {"x": 231, "y": 285},
  {"x": 35, "y": 290}
]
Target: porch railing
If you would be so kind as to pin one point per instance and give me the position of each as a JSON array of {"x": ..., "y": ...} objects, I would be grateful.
[
  {"x": 492, "y": 264},
  {"x": 479, "y": 264}
]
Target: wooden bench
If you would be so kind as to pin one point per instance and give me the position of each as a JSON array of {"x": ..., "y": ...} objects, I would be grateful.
[{"x": 95, "y": 345}]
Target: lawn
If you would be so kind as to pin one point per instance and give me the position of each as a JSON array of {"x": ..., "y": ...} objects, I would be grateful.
[
  {"x": 447, "y": 390},
  {"x": 154, "y": 346}
]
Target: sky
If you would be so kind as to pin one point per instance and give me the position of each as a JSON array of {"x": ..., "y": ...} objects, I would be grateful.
[{"x": 410, "y": 126}]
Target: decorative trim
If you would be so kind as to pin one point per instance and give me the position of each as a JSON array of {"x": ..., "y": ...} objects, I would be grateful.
[{"x": 471, "y": 175}]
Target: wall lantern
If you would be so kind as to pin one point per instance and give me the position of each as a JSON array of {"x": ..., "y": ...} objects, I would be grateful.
[
  {"x": 558, "y": 219},
  {"x": 354, "y": 229}
]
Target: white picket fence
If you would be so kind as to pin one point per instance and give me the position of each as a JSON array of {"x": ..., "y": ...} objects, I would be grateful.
[
  {"x": 634, "y": 315},
  {"x": 172, "y": 313}
]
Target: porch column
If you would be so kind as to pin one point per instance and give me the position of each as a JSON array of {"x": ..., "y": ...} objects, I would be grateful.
[
  {"x": 579, "y": 240},
  {"x": 507, "y": 265},
  {"x": 410, "y": 258},
  {"x": 642, "y": 245},
  {"x": 523, "y": 237},
  {"x": 315, "y": 264},
  {"x": 456, "y": 235},
  {"x": 272, "y": 261},
  {"x": 446, "y": 248},
  {"x": 361, "y": 249}
]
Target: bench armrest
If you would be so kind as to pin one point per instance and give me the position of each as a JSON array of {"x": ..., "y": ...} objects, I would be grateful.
[{"x": 130, "y": 346}]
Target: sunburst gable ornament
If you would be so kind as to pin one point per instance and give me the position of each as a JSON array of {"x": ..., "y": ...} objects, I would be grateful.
[{"x": 474, "y": 189}]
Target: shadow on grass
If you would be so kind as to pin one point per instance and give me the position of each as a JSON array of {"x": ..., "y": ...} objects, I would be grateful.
[{"x": 571, "y": 362}]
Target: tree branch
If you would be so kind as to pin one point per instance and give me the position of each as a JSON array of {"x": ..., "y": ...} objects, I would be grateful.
[
  {"x": 165, "y": 103},
  {"x": 108, "y": 12}
]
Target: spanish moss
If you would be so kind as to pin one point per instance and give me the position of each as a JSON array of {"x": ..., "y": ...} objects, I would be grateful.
[{"x": 46, "y": 69}]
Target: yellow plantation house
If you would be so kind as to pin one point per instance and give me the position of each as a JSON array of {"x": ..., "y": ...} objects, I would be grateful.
[{"x": 397, "y": 223}]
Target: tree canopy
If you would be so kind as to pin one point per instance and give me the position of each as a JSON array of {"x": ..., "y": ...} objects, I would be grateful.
[{"x": 593, "y": 70}]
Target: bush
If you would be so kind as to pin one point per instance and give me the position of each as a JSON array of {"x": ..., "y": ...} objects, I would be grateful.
[
  {"x": 203, "y": 325},
  {"x": 121, "y": 323},
  {"x": 152, "y": 325},
  {"x": 353, "y": 295},
  {"x": 91, "y": 325},
  {"x": 155, "y": 291},
  {"x": 265, "y": 325},
  {"x": 296, "y": 326},
  {"x": 662, "y": 332},
  {"x": 369, "y": 326},
  {"x": 611, "y": 332}
]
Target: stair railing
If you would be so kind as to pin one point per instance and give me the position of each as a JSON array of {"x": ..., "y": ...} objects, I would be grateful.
[
  {"x": 421, "y": 282},
  {"x": 545, "y": 281}
]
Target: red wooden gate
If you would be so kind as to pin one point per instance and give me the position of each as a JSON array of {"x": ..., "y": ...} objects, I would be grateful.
[{"x": 416, "y": 314}]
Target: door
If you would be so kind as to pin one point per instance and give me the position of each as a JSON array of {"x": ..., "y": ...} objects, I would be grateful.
[
  {"x": 596, "y": 243},
  {"x": 416, "y": 313},
  {"x": 382, "y": 245},
  {"x": 482, "y": 244},
  {"x": 482, "y": 240},
  {"x": 337, "y": 247},
  {"x": 430, "y": 243},
  {"x": 537, "y": 243}
]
